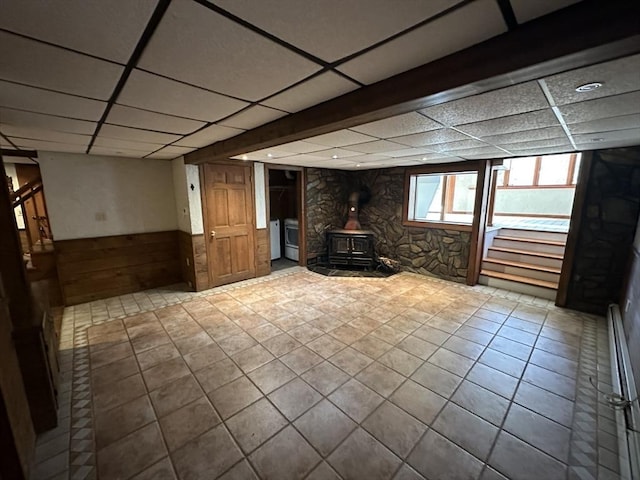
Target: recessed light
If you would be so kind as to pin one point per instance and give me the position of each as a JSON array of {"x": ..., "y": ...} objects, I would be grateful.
[
  {"x": 244, "y": 157},
  {"x": 334, "y": 156},
  {"x": 587, "y": 87},
  {"x": 424, "y": 159},
  {"x": 357, "y": 164},
  {"x": 270, "y": 155},
  {"x": 597, "y": 139}
]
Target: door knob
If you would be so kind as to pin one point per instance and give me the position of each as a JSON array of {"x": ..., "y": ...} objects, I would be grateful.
[{"x": 212, "y": 234}]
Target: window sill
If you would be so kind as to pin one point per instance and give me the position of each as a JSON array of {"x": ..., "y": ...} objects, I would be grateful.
[{"x": 441, "y": 225}]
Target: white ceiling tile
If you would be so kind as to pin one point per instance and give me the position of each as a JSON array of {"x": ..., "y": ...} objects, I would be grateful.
[
  {"x": 207, "y": 136},
  {"x": 460, "y": 29},
  {"x": 460, "y": 145},
  {"x": 252, "y": 117},
  {"x": 433, "y": 137},
  {"x": 618, "y": 76},
  {"x": 134, "y": 117},
  {"x": 625, "y": 104},
  {"x": 136, "y": 134},
  {"x": 264, "y": 155},
  {"x": 170, "y": 152},
  {"x": 539, "y": 134},
  {"x": 108, "y": 29},
  {"x": 512, "y": 123},
  {"x": 481, "y": 153},
  {"x": 230, "y": 59},
  {"x": 144, "y": 148},
  {"x": 40, "y": 65},
  {"x": 44, "y": 135},
  {"x": 606, "y": 124},
  {"x": 340, "y": 138},
  {"x": 378, "y": 146},
  {"x": 422, "y": 158},
  {"x": 37, "y": 100},
  {"x": 369, "y": 158},
  {"x": 533, "y": 144},
  {"x": 631, "y": 135},
  {"x": 50, "y": 122},
  {"x": 151, "y": 92},
  {"x": 333, "y": 29},
  {"x": 301, "y": 147},
  {"x": 335, "y": 152},
  {"x": 405, "y": 124},
  {"x": 30, "y": 144},
  {"x": 311, "y": 92},
  {"x": 116, "y": 152},
  {"x": 544, "y": 151},
  {"x": 526, "y": 10},
  {"x": 522, "y": 98},
  {"x": 408, "y": 152}
]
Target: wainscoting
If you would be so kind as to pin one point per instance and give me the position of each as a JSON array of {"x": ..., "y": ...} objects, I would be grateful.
[
  {"x": 95, "y": 268},
  {"x": 193, "y": 260},
  {"x": 263, "y": 255}
]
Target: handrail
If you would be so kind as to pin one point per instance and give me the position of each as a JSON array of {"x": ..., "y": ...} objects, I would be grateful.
[
  {"x": 18, "y": 198},
  {"x": 25, "y": 188}
]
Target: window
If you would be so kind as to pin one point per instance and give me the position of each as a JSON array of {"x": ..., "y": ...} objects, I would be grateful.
[
  {"x": 440, "y": 197},
  {"x": 548, "y": 171}
]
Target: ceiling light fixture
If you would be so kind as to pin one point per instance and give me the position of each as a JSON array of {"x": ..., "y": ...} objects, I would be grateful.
[
  {"x": 270, "y": 155},
  {"x": 334, "y": 156},
  {"x": 244, "y": 157},
  {"x": 588, "y": 87},
  {"x": 357, "y": 164},
  {"x": 424, "y": 159},
  {"x": 597, "y": 139}
]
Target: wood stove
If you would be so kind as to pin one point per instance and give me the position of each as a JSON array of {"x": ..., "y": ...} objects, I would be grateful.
[{"x": 351, "y": 248}]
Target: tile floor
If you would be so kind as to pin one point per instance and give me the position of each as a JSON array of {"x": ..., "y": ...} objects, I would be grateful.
[{"x": 298, "y": 375}]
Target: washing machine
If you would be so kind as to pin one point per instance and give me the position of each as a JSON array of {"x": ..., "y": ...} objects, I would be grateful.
[{"x": 291, "y": 239}]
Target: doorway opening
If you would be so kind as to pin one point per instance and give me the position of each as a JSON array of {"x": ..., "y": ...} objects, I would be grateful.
[
  {"x": 284, "y": 213},
  {"x": 528, "y": 220}
]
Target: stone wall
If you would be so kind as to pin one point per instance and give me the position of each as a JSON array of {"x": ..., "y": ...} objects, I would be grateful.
[
  {"x": 326, "y": 199},
  {"x": 438, "y": 252},
  {"x": 608, "y": 224}
]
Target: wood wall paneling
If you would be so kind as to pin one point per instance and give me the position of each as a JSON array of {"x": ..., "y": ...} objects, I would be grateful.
[
  {"x": 95, "y": 268},
  {"x": 263, "y": 254},
  {"x": 193, "y": 249}
]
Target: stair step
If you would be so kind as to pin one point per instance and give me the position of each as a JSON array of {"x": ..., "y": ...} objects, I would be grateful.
[
  {"x": 529, "y": 266},
  {"x": 540, "y": 241},
  {"x": 536, "y": 234},
  {"x": 520, "y": 279},
  {"x": 555, "y": 256}
]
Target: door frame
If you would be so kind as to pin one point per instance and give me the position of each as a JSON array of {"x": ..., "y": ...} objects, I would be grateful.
[
  {"x": 301, "y": 204},
  {"x": 205, "y": 213}
]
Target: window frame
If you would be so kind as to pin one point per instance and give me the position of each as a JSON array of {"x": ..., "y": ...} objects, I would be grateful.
[
  {"x": 439, "y": 169},
  {"x": 573, "y": 160}
]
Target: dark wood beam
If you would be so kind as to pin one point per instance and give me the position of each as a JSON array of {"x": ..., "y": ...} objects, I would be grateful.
[
  {"x": 583, "y": 34},
  {"x": 8, "y": 152}
]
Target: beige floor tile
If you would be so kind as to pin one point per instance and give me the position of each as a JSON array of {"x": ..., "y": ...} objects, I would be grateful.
[
  {"x": 281, "y": 344},
  {"x": 119, "y": 392},
  {"x": 164, "y": 373},
  {"x": 326, "y": 323},
  {"x": 142, "y": 344},
  {"x": 453, "y": 362},
  {"x": 380, "y": 379},
  {"x": 236, "y": 343},
  {"x": 474, "y": 335},
  {"x": 396, "y": 429},
  {"x": 255, "y": 424},
  {"x": 323, "y": 472},
  {"x": 510, "y": 347},
  {"x": 493, "y": 380},
  {"x": 271, "y": 376},
  {"x": 400, "y": 361},
  {"x": 325, "y": 377},
  {"x": 234, "y": 396},
  {"x": 350, "y": 360},
  {"x": 362, "y": 457},
  {"x": 552, "y": 406},
  {"x": 356, "y": 400},
  {"x": 162, "y": 470},
  {"x": 103, "y": 376},
  {"x": 467, "y": 430},
  {"x": 365, "y": 323},
  {"x": 111, "y": 425},
  {"x": 503, "y": 362},
  {"x": 252, "y": 358},
  {"x": 240, "y": 471},
  {"x": 437, "y": 379},
  {"x": 347, "y": 334},
  {"x": 555, "y": 363},
  {"x": 551, "y": 381},
  {"x": 463, "y": 347},
  {"x": 482, "y": 402},
  {"x": 407, "y": 473},
  {"x": 326, "y": 346},
  {"x": 389, "y": 334},
  {"x": 160, "y": 354},
  {"x": 305, "y": 333},
  {"x": 483, "y": 324},
  {"x": 437, "y": 457},
  {"x": 418, "y": 401},
  {"x": 264, "y": 332},
  {"x": 519, "y": 461},
  {"x": 193, "y": 342},
  {"x": 131, "y": 454},
  {"x": 203, "y": 357},
  {"x": 195, "y": 459},
  {"x": 294, "y": 398},
  {"x": 188, "y": 422},
  {"x": 174, "y": 395},
  {"x": 324, "y": 426},
  {"x": 417, "y": 347},
  {"x": 300, "y": 459},
  {"x": 371, "y": 346},
  {"x": 301, "y": 360},
  {"x": 217, "y": 375},
  {"x": 104, "y": 356},
  {"x": 139, "y": 329}
]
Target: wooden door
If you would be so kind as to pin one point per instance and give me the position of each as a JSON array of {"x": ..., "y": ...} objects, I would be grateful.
[{"x": 230, "y": 230}]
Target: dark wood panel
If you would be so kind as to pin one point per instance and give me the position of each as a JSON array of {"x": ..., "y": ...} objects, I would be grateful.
[{"x": 95, "y": 268}]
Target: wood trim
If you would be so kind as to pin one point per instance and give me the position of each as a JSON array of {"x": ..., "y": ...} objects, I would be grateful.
[
  {"x": 458, "y": 227},
  {"x": 532, "y": 215},
  {"x": 600, "y": 31},
  {"x": 444, "y": 168},
  {"x": 479, "y": 222},
  {"x": 574, "y": 228},
  {"x": 571, "y": 169},
  {"x": 302, "y": 218},
  {"x": 533, "y": 187},
  {"x": 536, "y": 171},
  {"x": 492, "y": 197}
]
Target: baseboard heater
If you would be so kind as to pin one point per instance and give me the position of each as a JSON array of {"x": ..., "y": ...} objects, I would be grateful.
[{"x": 624, "y": 398}]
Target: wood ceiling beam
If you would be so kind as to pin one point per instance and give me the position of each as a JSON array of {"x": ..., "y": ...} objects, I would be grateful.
[{"x": 583, "y": 34}]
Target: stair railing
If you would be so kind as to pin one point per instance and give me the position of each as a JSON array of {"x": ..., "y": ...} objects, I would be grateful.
[{"x": 29, "y": 191}]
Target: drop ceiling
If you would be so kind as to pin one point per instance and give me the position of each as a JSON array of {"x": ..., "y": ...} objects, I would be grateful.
[{"x": 161, "y": 78}]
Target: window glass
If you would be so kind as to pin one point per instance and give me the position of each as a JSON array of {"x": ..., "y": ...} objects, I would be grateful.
[
  {"x": 442, "y": 197},
  {"x": 554, "y": 170},
  {"x": 522, "y": 171},
  {"x": 576, "y": 170}
]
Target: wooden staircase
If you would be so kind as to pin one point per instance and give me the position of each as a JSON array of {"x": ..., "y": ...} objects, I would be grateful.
[{"x": 525, "y": 261}]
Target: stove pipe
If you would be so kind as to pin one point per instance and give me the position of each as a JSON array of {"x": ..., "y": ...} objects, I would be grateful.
[{"x": 352, "y": 222}]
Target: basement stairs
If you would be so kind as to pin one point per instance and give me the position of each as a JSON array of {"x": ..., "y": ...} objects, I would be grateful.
[{"x": 525, "y": 261}]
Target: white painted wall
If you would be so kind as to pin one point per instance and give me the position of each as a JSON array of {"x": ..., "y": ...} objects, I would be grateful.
[
  {"x": 260, "y": 195},
  {"x": 10, "y": 170},
  {"x": 188, "y": 199},
  {"x": 94, "y": 196}
]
